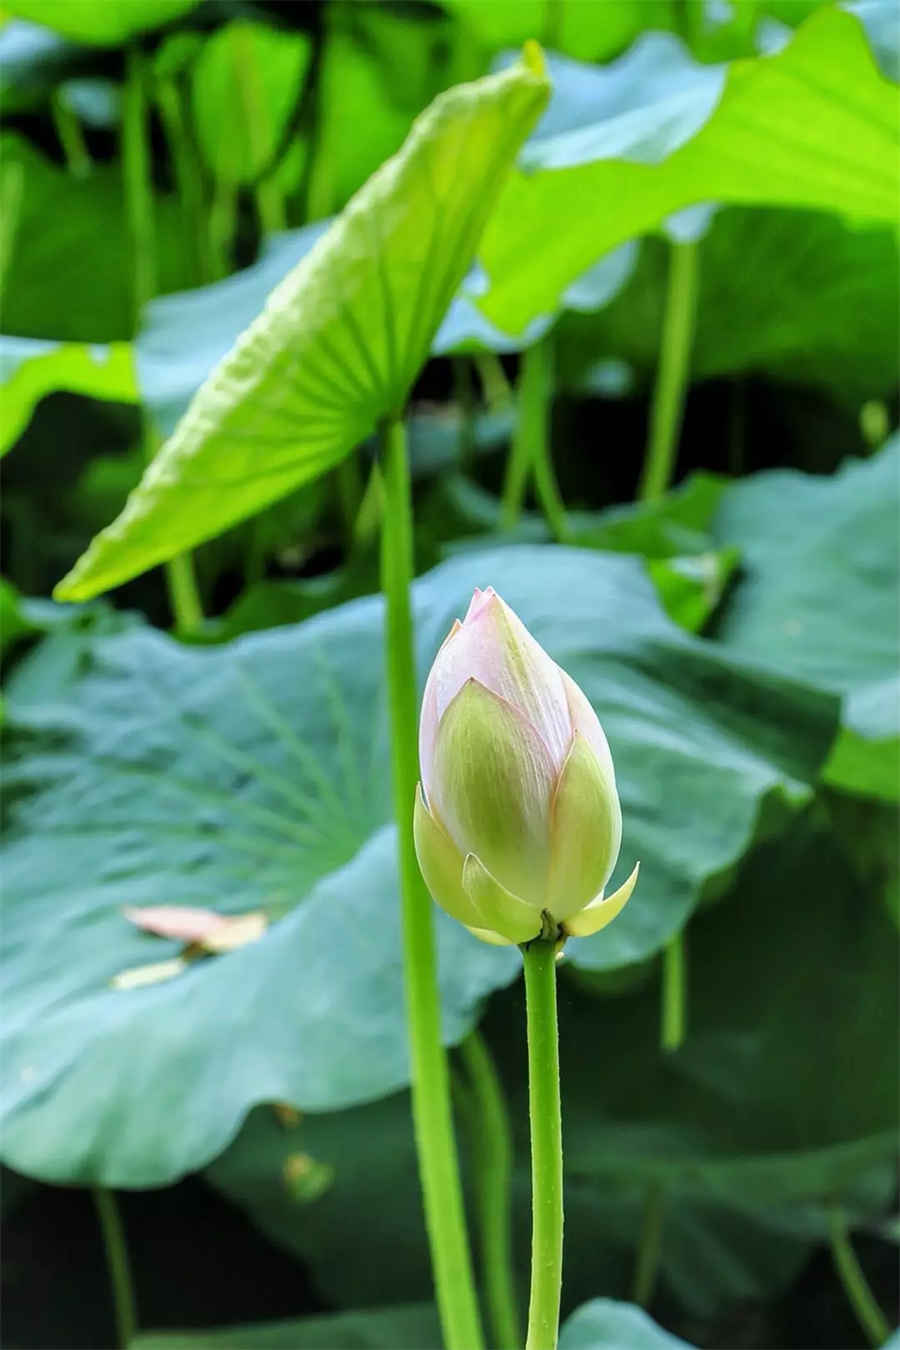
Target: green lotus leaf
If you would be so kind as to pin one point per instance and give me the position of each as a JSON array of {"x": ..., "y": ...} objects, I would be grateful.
[
  {"x": 245, "y": 84},
  {"x": 102, "y": 22},
  {"x": 815, "y": 125},
  {"x": 818, "y": 598},
  {"x": 255, "y": 775},
  {"x": 340, "y": 340}
]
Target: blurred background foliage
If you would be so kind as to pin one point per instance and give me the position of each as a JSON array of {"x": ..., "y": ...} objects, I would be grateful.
[{"x": 164, "y": 163}]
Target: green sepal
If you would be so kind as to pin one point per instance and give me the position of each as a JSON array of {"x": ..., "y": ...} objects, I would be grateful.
[
  {"x": 441, "y": 864},
  {"x": 585, "y": 831},
  {"x": 601, "y": 911},
  {"x": 501, "y": 911}
]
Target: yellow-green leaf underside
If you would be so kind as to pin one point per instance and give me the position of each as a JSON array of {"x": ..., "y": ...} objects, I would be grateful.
[
  {"x": 340, "y": 340},
  {"x": 815, "y": 125}
]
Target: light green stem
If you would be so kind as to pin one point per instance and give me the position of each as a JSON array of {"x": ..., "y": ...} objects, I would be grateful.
[
  {"x": 862, "y": 1300},
  {"x": 188, "y": 181},
  {"x": 497, "y": 391},
  {"x": 672, "y": 373},
  {"x": 222, "y": 221},
  {"x": 464, "y": 398},
  {"x": 666, "y": 413},
  {"x": 432, "y": 1117},
  {"x": 118, "y": 1265},
  {"x": 184, "y": 596},
  {"x": 673, "y": 993},
  {"x": 182, "y": 586},
  {"x": 492, "y": 1152},
  {"x": 270, "y": 205},
  {"x": 71, "y": 136},
  {"x": 539, "y": 958},
  {"x": 348, "y": 480},
  {"x": 138, "y": 191},
  {"x": 530, "y": 450},
  {"x": 181, "y": 580},
  {"x": 646, "y": 1266}
]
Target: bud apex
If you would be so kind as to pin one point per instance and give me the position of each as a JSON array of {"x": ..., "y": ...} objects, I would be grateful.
[{"x": 517, "y": 820}]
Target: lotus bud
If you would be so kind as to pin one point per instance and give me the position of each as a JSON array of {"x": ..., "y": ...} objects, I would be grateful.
[{"x": 517, "y": 821}]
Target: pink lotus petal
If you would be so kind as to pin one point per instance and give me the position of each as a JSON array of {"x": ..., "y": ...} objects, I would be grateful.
[
  {"x": 478, "y": 602},
  {"x": 585, "y": 720},
  {"x": 175, "y": 921},
  {"x": 494, "y": 647}
]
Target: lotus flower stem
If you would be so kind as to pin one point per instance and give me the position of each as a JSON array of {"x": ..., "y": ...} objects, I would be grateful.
[
  {"x": 667, "y": 411},
  {"x": 494, "y": 384},
  {"x": 184, "y": 597},
  {"x": 181, "y": 580},
  {"x": 118, "y": 1264},
  {"x": 438, "y": 1162},
  {"x": 539, "y": 958},
  {"x": 530, "y": 450},
  {"x": 170, "y": 102},
  {"x": 646, "y": 1266},
  {"x": 70, "y": 135},
  {"x": 862, "y": 1300},
  {"x": 673, "y": 1011},
  {"x": 492, "y": 1154},
  {"x": 673, "y": 372},
  {"x": 136, "y": 181}
]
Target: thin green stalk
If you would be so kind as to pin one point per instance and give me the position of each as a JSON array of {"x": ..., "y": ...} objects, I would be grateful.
[
  {"x": 530, "y": 450},
  {"x": 348, "y": 480},
  {"x": 673, "y": 993},
  {"x": 432, "y": 1117},
  {"x": 539, "y": 959},
  {"x": 672, "y": 373},
  {"x": 856, "y": 1286},
  {"x": 222, "y": 223},
  {"x": 183, "y": 595},
  {"x": 646, "y": 1266},
  {"x": 12, "y": 186},
  {"x": 321, "y": 186},
  {"x": 542, "y": 460},
  {"x": 118, "y": 1265},
  {"x": 71, "y": 136},
  {"x": 138, "y": 189},
  {"x": 188, "y": 181},
  {"x": 492, "y": 1153},
  {"x": 181, "y": 580},
  {"x": 464, "y": 398},
  {"x": 553, "y": 22},
  {"x": 494, "y": 383},
  {"x": 666, "y": 413},
  {"x": 270, "y": 205}
]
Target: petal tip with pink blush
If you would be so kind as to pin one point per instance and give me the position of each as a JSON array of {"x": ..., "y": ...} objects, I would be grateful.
[{"x": 480, "y": 599}]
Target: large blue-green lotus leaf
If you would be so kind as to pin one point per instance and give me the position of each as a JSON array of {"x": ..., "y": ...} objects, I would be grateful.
[
  {"x": 255, "y": 775},
  {"x": 412, "y": 1326},
  {"x": 743, "y": 1131},
  {"x": 818, "y": 597},
  {"x": 603, "y": 1322}
]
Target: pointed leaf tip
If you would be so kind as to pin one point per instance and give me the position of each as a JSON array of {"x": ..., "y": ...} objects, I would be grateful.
[{"x": 533, "y": 57}]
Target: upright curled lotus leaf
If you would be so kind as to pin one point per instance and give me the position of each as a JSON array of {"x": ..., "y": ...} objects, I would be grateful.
[
  {"x": 341, "y": 338},
  {"x": 517, "y": 819}
]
